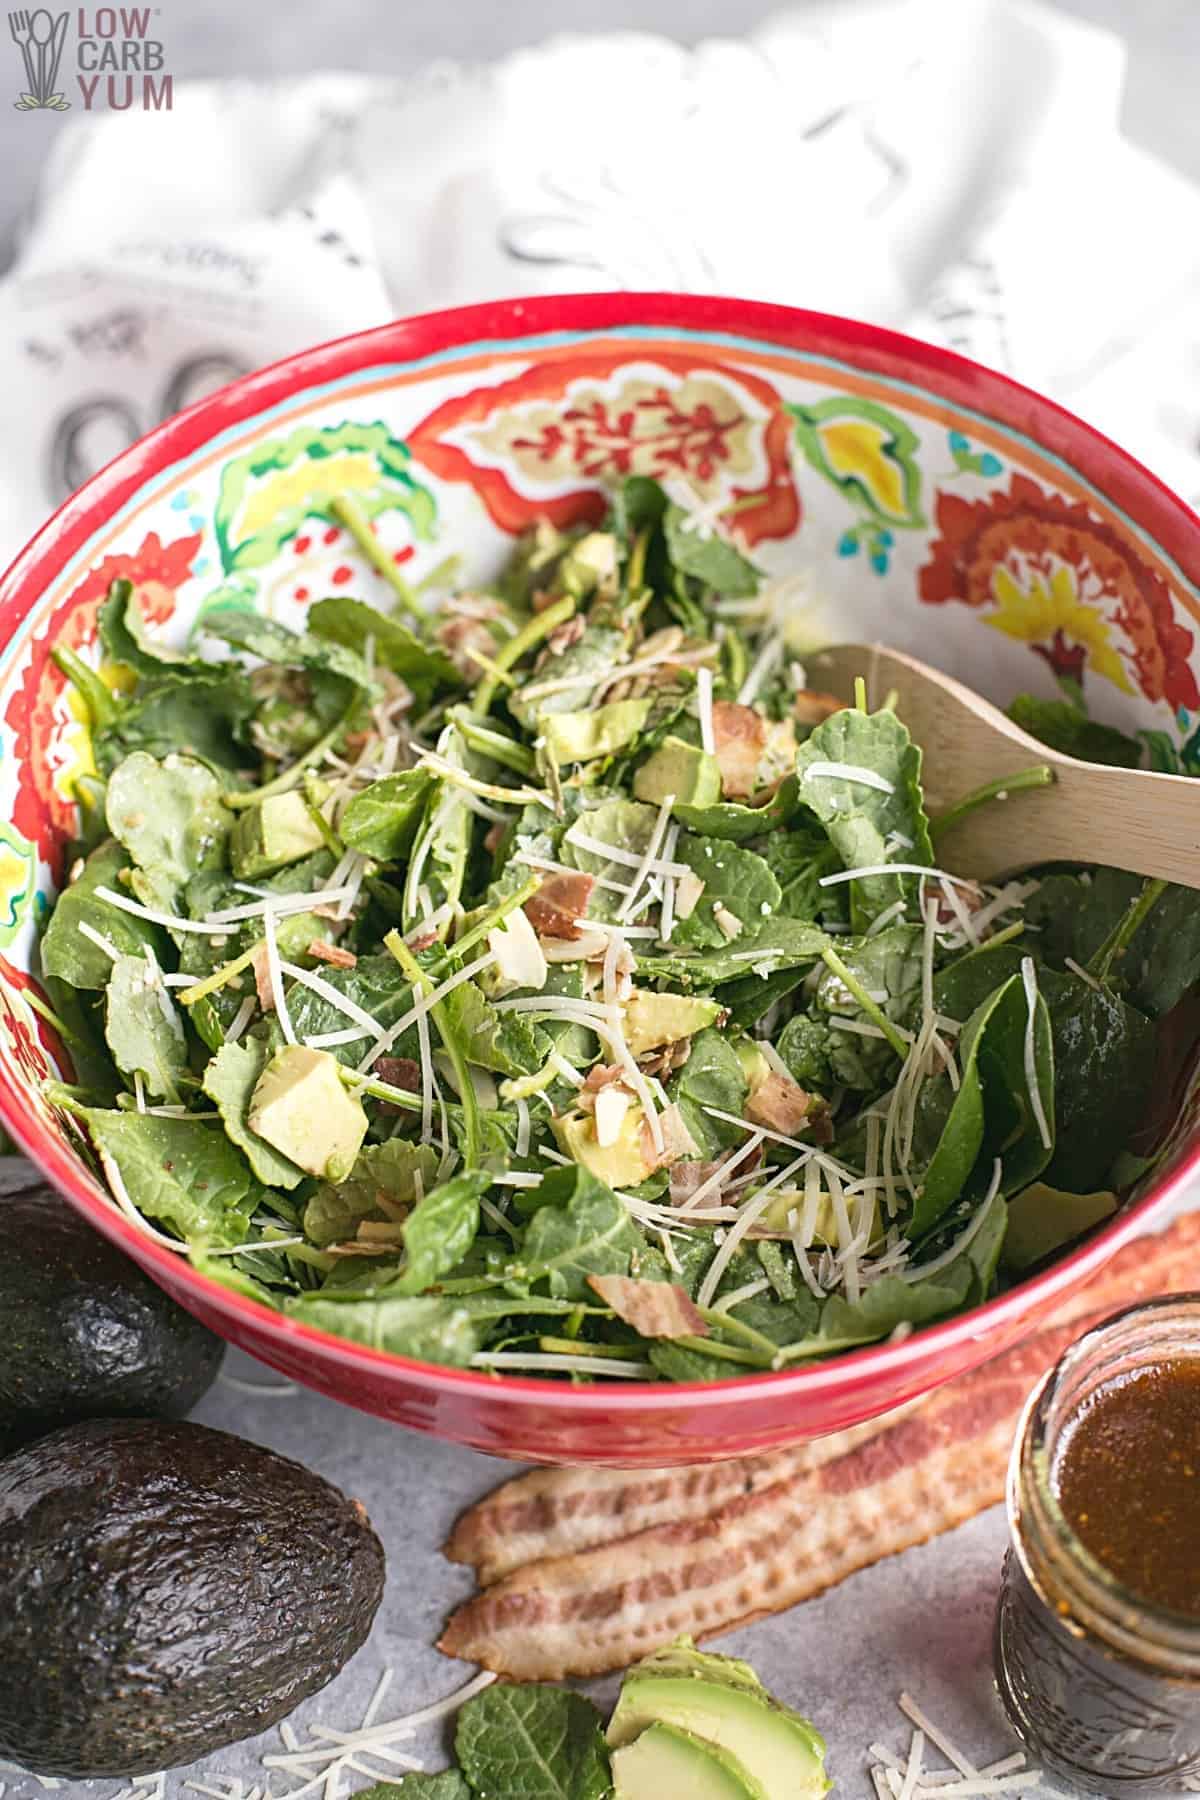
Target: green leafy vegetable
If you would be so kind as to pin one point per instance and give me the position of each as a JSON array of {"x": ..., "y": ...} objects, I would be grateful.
[
  {"x": 867, "y": 825},
  {"x": 580, "y": 1229},
  {"x": 179, "y": 1172},
  {"x": 383, "y": 819},
  {"x": 532, "y": 1743},
  {"x": 143, "y": 1028},
  {"x": 395, "y": 1170},
  {"x": 69, "y": 954},
  {"x": 169, "y": 817},
  {"x": 427, "y": 1329},
  {"x": 229, "y": 1082},
  {"x": 1066, "y": 727},
  {"x": 440, "y": 1230}
]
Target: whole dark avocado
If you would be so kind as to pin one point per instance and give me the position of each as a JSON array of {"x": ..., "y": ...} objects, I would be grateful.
[
  {"x": 83, "y": 1333},
  {"x": 166, "y": 1590}
]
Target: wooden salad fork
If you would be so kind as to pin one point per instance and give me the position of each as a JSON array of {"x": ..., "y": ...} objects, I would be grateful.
[{"x": 1125, "y": 818}]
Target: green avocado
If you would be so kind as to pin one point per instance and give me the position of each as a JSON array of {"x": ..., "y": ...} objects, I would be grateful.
[
  {"x": 665, "y": 1761},
  {"x": 83, "y": 1333},
  {"x": 301, "y": 1108},
  {"x": 1041, "y": 1219},
  {"x": 267, "y": 837},
  {"x": 722, "y": 1702},
  {"x": 590, "y": 562},
  {"x": 652, "y": 1020},
  {"x": 574, "y": 737},
  {"x": 166, "y": 1590},
  {"x": 682, "y": 771},
  {"x": 622, "y": 1164}
]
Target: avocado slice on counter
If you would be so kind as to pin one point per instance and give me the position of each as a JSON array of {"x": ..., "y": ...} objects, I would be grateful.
[
  {"x": 722, "y": 1702},
  {"x": 84, "y": 1334},
  {"x": 166, "y": 1590},
  {"x": 666, "y": 1760}
]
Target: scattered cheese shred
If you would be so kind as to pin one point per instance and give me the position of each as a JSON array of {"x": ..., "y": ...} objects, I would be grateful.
[
  {"x": 1029, "y": 979},
  {"x": 843, "y": 771},
  {"x": 155, "y": 917},
  {"x": 547, "y": 1359},
  {"x": 275, "y": 977}
]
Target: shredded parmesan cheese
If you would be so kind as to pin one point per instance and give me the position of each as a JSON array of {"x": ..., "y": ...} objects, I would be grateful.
[
  {"x": 843, "y": 771},
  {"x": 1029, "y": 978},
  {"x": 275, "y": 977}
]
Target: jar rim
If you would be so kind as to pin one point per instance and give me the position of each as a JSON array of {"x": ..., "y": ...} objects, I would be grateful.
[{"x": 1101, "y": 1602}]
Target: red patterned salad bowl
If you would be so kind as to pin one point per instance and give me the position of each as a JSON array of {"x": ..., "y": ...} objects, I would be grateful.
[{"x": 915, "y": 497}]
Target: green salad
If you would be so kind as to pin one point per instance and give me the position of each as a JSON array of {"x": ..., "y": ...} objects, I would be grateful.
[{"x": 541, "y": 978}]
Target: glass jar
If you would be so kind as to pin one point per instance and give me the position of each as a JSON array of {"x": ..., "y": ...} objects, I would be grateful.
[{"x": 1102, "y": 1687}]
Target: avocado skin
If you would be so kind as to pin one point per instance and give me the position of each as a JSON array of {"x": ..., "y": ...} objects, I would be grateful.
[
  {"x": 166, "y": 1590},
  {"x": 84, "y": 1334}
]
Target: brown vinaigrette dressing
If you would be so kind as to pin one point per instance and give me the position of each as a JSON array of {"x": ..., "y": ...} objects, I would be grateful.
[{"x": 1127, "y": 1475}]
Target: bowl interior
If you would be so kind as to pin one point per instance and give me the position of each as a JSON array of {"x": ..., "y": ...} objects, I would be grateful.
[{"x": 900, "y": 493}]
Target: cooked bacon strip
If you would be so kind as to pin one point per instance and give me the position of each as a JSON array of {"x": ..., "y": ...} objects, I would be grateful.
[
  {"x": 739, "y": 739},
  {"x": 262, "y": 978},
  {"x": 552, "y": 1512},
  {"x": 326, "y": 952},
  {"x": 811, "y": 706},
  {"x": 779, "y": 1103},
  {"x": 790, "y": 1539},
  {"x": 559, "y": 901},
  {"x": 658, "y": 1309}
]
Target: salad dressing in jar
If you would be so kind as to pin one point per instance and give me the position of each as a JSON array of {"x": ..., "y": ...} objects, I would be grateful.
[{"x": 1098, "y": 1625}]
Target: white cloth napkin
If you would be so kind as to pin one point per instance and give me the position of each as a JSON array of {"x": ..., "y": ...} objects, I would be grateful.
[{"x": 956, "y": 171}]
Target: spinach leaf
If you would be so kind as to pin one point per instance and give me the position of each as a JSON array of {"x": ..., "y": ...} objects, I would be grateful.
[
  {"x": 170, "y": 818},
  {"x": 532, "y": 1743},
  {"x": 447, "y": 1786},
  {"x": 1104, "y": 1058},
  {"x": 504, "y": 1042},
  {"x": 1103, "y": 1055},
  {"x": 798, "y": 858},
  {"x": 439, "y": 853},
  {"x": 779, "y": 944},
  {"x": 736, "y": 880},
  {"x": 991, "y": 1114},
  {"x": 864, "y": 823},
  {"x": 890, "y": 1301},
  {"x": 125, "y": 639},
  {"x": 229, "y": 1081},
  {"x": 585, "y": 663},
  {"x": 421, "y": 1326},
  {"x": 817, "y": 1049},
  {"x": 205, "y": 717},
  {"x": 628, "y": 826},
  {"x": 580, "y": 1229},
  {"x": 142, "y": 1027},
  {"x": 711, "y": 1076},
  {"x": 383, "y": 819},
  {"x": 255, "y": 634},
  {"x": 1162, "y": 961},
  {"x": 440, "y": 1230},
  {"x": 708, "y": 558},
  {"x": 1066, "y": 727},
  {"x": 178, "y": 1171},
  {"x": 397, "y": 647},
  {"x": 375, "y": 983},
  {"x": 736, "y": 824},
  {"x": 393, "y": 1169},
  {"x": 67, "y": 954}
]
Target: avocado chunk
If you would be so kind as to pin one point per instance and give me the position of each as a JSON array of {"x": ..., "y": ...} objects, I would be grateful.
[
  {"x": 591, "y": 561},
  {"x": 300, "y": 1106},
  {"x": 722, "y": 1702},
  {"x": 83, "y": 1333},
  {"x": 755, "y": 1066},
  {"x": 665, "y": 1760},
  {"x": 166, "y": 1590},
  {"x": 652, "y": 1020},
  {"x": 1041, "y": 1219},
  {"x": 574, "y": 737},
  {"x": 268, "y": 836},
  {"x": 683, "y": 771},
  {"x": 625, "y": 1163}
]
